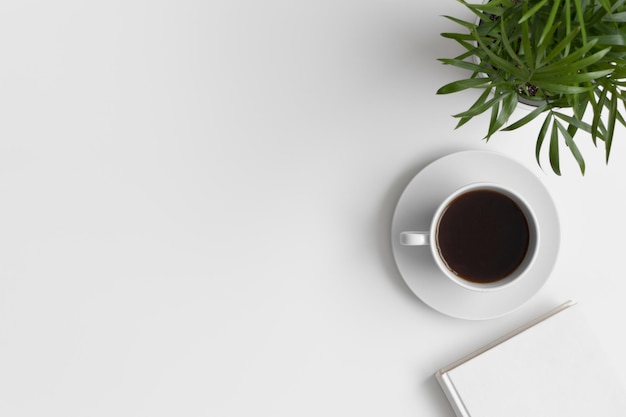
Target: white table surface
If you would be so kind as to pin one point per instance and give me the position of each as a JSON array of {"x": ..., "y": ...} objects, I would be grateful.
[{"x": 196, "y": 199}]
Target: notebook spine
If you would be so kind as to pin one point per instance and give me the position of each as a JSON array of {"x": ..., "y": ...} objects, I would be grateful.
[{"x": 452, "y": 395}]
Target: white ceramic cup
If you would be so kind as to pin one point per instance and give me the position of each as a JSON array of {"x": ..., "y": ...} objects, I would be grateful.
[{"x": 431, "y": 238}]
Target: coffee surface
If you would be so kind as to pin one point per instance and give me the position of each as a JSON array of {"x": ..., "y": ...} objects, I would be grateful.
[{"x": 483, "y": 236}]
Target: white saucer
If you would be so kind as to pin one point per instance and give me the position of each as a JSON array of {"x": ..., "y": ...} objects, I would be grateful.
[{"x": 416, "y": 207}]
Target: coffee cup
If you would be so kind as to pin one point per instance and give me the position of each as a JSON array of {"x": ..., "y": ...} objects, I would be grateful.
[{"x": 483, "y": 236}]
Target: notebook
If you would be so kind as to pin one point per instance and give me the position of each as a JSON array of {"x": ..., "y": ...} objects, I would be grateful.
[{"x": 552, "y": 366}]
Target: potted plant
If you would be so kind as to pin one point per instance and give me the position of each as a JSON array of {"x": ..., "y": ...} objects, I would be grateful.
[{"x": 567, "y": 58}]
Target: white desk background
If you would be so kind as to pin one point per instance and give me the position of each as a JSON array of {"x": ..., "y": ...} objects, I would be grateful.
[{"x": 196, "y": 199}]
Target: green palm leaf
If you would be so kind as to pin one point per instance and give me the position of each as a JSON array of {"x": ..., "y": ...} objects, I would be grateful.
[
  {"x": 554, "y": 149},
  {"x": 569, "y": 141},
  {"x": 461, "y": 85}
]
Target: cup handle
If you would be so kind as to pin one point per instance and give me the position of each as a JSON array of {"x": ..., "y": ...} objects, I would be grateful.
[{"x": 414, "y": 238}]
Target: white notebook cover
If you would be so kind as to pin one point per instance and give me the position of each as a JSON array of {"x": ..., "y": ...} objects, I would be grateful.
[{"x": 551, "y": 367}]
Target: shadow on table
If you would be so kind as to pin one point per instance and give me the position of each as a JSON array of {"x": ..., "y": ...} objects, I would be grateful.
[{"x": 439, "y": 400}]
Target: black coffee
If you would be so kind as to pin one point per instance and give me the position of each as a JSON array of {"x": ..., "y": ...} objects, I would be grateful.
[{"x": 483, "y": 236}]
